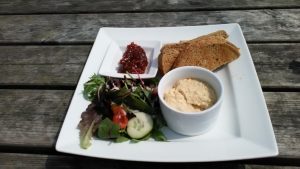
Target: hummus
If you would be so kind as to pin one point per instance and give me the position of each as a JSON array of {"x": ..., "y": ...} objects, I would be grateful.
[{"x": 190, "y": 95}]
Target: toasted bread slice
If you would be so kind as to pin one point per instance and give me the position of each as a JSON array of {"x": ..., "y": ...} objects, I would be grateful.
[
  {"x": 170, "y": 52},
  {"x": 220, "y": 33},
  {"x": 212, "y": 53},
  {"x": 168, "y": 55}
]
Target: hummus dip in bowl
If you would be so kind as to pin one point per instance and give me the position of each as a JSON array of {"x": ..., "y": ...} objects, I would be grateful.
[{"x": 190, "y": 99}]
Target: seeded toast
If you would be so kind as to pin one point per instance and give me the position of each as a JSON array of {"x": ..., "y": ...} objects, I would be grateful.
[{"x": 170, "y": 52}]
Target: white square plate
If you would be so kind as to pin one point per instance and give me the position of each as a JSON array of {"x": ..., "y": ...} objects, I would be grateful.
[
  {"x": 243, "y": 129},
  {"x": 110, "y": 63}
]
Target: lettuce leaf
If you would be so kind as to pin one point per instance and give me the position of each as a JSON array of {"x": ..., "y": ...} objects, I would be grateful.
[
  {"x": 158, "y": 135},
  {"x": 107, "y": 129},
  {"x": 121, "y": 139},
  {"x": 85, "y": 136},
  {"x": 91, "y": 87},
  {"x": 88, "y": 125},
  {"x": 136, "y": 103}
]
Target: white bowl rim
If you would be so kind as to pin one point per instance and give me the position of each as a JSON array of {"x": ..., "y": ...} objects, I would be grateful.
[{"x": 201, "y": 69}]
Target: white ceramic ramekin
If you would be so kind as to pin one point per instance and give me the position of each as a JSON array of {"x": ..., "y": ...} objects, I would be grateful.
[{"x": 190, "y": 123}]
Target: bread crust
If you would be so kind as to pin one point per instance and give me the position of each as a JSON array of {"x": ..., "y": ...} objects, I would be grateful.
[
  {"x": 168, "y": 55},
  {"x": 210, "y": 51}
]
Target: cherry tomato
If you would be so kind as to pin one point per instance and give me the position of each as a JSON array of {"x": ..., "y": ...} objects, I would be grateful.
[
  {"x": 121, "y": 120},
  {"x": 119, "y": 116},
  {"x": 118, "y": 109}
]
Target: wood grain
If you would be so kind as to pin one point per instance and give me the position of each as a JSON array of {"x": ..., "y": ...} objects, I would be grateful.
[
  {"x": 45, "y": 44},
  {"x": 82, "y": 6},
  {"x": 36, "y": 161},
  {"x": 277, "y": 64},
  {"x": 284, "y": 110},
  {"x": 32, "y": 118},
  {"x": 43, "y": 55},
  {"x": 269, "y": 167},
  {"x": 42, "y": 65},
  {"x": 258, "y": 25},
  {"x": 9, "y": 160}
]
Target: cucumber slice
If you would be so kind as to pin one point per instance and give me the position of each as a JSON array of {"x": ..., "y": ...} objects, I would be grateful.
[{"x": 139, "y": 126}]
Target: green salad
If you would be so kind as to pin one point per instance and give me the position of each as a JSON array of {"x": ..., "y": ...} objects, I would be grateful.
[{"x": 121, "y": 110}]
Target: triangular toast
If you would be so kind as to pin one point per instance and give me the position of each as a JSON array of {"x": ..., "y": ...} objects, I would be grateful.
[
  {"x": 170, "y": 52},
  {"x": 210, "y": 54}
]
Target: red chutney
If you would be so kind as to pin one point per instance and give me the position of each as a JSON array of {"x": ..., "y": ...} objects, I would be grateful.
[{"x": 134, "y": 60}]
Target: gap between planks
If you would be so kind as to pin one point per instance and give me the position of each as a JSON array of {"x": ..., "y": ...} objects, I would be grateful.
[
  {"x": 91, "y": 43},
  {"x": 156, "y": 11}
]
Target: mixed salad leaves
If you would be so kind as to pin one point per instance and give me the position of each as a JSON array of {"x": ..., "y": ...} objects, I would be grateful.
[{"x": 121, "y": 110}]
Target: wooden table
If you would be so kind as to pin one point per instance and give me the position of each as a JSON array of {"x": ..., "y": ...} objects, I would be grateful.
[{"x": 44, "y": 46}]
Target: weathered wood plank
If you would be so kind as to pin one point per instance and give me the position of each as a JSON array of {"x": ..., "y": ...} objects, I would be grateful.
[
  {"x": 284, "y": 109},
  {"x": 9, "y": 160},
  {"x": 58, "y": 74},
  {"x": 277, "y": 64},
  {"x": 36, "y": 161},
  {"x": 79, "y": 6},
  {"x": 44, "y": 55},
  {"x": 269, "y": 167},
  {"x": 257, "y": 25},
  {"x": 42, "y": 65},
  {"x": 32, "y": 118}
]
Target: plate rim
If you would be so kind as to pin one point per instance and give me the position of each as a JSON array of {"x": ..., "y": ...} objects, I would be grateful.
[{"x": 273, "y": 151}]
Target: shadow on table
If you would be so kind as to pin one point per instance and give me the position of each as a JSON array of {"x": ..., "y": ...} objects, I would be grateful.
[{"x": 72, "y": 161}]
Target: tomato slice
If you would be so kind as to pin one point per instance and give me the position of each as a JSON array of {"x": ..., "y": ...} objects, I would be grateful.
[
  {"x": 118, "y": 109},
  {"x": 119, "y": 116},
  {"x": 121, "y": 120}
]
